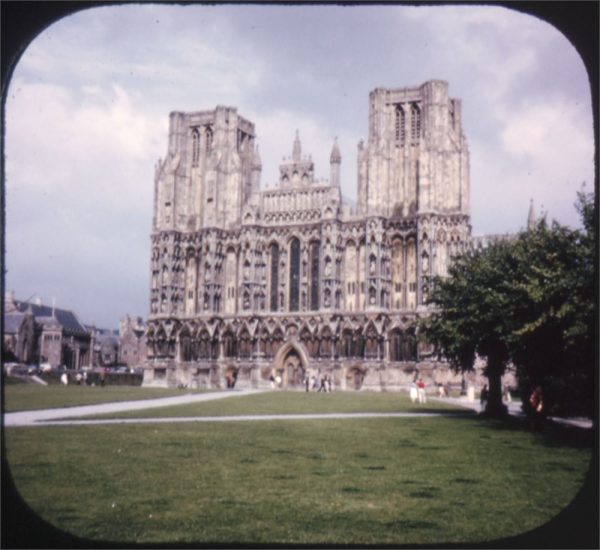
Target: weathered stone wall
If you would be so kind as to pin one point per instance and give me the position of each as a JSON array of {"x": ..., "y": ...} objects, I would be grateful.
[{"x": 238, "y": 275}]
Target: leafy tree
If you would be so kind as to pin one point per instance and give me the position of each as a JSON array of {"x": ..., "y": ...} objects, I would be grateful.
[
  {"x": 470, "y": 316},
  {"x": 553, "y": 338},
  {"x": 529, "y": 301}
]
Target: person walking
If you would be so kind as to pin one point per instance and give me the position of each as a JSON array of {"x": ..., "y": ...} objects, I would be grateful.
[
  {"x": 537, "y": 408},
  {"x": 421, "y": 391},
  {"x": 483, "y": 398},
  {"x": 413, "y": 392}
]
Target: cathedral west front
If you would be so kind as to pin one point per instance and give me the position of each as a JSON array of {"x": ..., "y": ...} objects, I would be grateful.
[{"x": 250, "y": 285}]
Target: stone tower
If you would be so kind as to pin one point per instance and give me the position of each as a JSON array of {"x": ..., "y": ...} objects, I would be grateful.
[
  {"x": 417, "y": 158},
  {"x": 210, "y": 171},
  {"x": 414, "y": 171}
]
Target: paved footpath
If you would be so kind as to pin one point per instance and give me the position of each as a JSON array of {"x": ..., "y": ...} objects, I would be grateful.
[
  {"x": 31, "y": 418},
  {"x": 514, "y": 409},
  {"x": 65, "y": 416}
]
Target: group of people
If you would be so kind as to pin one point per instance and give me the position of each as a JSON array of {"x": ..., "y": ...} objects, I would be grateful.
[
  {"x": 318, "y": 384},
  {"x": 79, "y": 379},
  {"x": 417, "y": 391}
]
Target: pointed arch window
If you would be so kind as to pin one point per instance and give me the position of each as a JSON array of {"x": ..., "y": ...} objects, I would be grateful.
[
  {"x": 209, "y": 139},
  {"x": 195, "y": 147},
  {"x": 396, "y": 346},
  {"x": 400, "y": 125},
  {"x": 294, "y": 274},
  {"x": 415, "y": 117},
  {"x": 185, "y": 347},
  {"x": 274, "y": 306},
  {"x": 229, "y": 345},
  {"x": 346, "y": 344},
  {"x": 315, "y": 247}
]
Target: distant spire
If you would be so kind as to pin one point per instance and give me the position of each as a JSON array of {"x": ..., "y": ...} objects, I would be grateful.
[
  {"x": 531, "y": 217},
  {"x": 297, "y": 152},
  {"x": 256, "y": 161},
  {"x": 335, "y": 160},
  {"x": 336, "y": 156}
]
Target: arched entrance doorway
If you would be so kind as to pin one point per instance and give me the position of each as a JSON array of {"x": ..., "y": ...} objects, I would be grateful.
[
  {"x": 290, "y": 366},
  {"x": 231, "y": 375},
  {"x": 355, "y": 376}
]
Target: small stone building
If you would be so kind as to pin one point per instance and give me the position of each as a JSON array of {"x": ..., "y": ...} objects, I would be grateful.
[
  {"x": 132, "y": 341},
  {"x": 58, "y": 338},
  {"x": 18, "y": 338},
  {"x": 105, "y": 346}
]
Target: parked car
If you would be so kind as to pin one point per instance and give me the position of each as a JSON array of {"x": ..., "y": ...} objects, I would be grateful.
[
  {"x": 33, "y": 369},
  {"x": 15, "y": 368}
]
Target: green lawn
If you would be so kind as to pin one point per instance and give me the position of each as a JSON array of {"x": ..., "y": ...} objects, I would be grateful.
[
  {"x": 355, "y": 481},
  {"x": 295, "y": 402},
  {"x": 28, "y": 397}
]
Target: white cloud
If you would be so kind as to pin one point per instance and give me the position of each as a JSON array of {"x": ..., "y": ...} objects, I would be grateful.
[
  {"x": 59, "y": 138},
  {"x": 548, "y": 132}
]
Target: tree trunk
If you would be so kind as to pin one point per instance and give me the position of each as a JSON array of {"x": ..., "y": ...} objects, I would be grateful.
[{"x": 494, "y": 406}]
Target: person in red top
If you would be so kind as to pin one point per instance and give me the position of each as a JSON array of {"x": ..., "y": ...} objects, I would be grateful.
[
  {"x": 536, "y": 402},
  {"x": 421, "y": 391}
]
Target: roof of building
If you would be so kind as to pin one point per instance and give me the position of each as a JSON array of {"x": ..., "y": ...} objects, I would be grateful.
[
  {"x": 48, "y": 322},
  {"x": 12, "y": 321},
  {"x": 106, "y": 341},
  {"x": 66, "y": 318},
  {"x": 99, "y": 332}
]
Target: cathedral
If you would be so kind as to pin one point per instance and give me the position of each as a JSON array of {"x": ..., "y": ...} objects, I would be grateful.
[{"x": 252, "y": 285}]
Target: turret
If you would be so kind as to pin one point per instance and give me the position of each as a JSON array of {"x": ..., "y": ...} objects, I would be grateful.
[
  {"x": 256, "y": 170},
  {"x": 297, "y": 151},
  {"x": 335, "y": 161},
  {"x": 296, "y": 171},
  {"x": 531, "y": 217}
]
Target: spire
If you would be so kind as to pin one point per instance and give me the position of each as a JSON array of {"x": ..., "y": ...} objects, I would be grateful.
[
  {"x": 531, "y": 217},
  {"x": 297, "y": 152},
  {"x": 256, "y": 161},
  {"x": 335, "y": 161},
  {"x": 336, "y": 156}
]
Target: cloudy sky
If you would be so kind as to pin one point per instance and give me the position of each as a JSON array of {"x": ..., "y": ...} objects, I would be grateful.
[{"x": 87, "y": 116}]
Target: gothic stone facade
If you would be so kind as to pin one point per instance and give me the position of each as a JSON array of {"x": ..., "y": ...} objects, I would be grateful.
[{"x": 250, "y": 283}]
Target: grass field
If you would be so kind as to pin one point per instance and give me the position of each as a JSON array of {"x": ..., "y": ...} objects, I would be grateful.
[
  {"x": 296, "y": 402},
  {"x": 28, "y": 397},
  {"x": 350, "y": 481}
]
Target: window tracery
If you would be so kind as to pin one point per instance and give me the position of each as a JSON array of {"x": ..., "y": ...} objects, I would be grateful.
[
  {"x": 415, "y": 117},
  {"x": 294, "y": 274}
]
